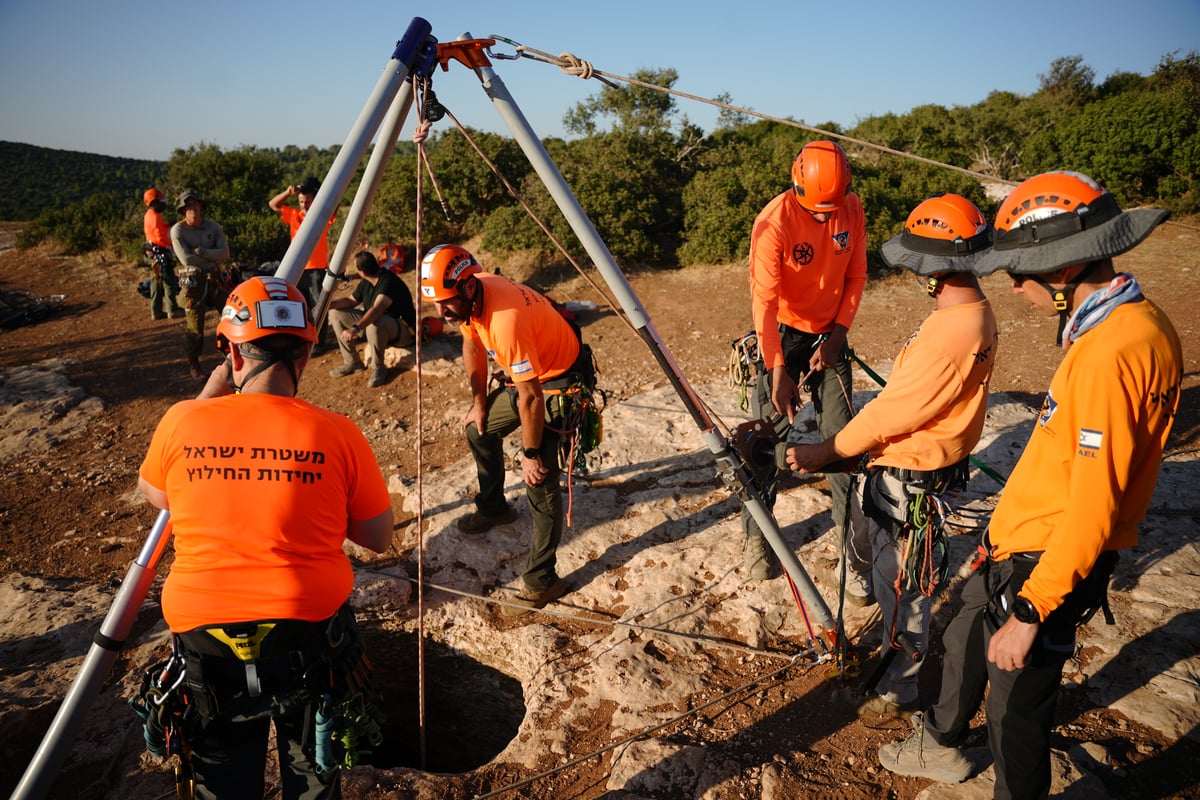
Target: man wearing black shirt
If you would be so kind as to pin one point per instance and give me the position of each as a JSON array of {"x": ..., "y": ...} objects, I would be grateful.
[{"x": 381, "y": 309}]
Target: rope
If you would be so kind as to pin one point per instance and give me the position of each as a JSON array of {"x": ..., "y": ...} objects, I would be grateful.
[
  {"x": 545, "y": 228},
  {"x": 422, "y": 159},
  {"x": 573, "y": 65}
]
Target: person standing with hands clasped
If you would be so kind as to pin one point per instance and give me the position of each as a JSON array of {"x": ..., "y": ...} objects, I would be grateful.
[
  {"x": 539, "y": 350},
  {"x": 808, "y": 267},
  {"x": 1075, "y": 497},
  {"x": 263, "y": 489},
  {"x": 917, "y": 434}
]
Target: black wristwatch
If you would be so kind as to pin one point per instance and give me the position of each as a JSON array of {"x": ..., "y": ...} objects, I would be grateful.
[
  {"x": 532, "y": 452},
  {"x": 1025, "y": 612}
]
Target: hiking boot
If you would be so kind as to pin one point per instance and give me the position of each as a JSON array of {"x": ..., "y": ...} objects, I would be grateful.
[
  {"x": 178, "y": 313},
  {"x": 347, "y": 369},
  {"x": 829, "y": 573},
  {"x": 919, "y": 756},
  {"x": 159, "y": 315},
  {"x": 476, "y": 522},
  {"x": 760, "y": 561},
  {"x": 528, "y": 600},
  {"x": 195, "y": 369},
  {"x": 869, "y": 704},
  {"x": 379, "y": 376}
]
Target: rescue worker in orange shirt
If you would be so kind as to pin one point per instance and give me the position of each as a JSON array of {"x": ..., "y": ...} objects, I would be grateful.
[
  {"x": 318, "y": 262},
  {"x": 263, "y": 489},
  {"x": 808, "y": 267},
  {"x": 917, "y": 433},
  {"x": 541, "y": 353},
  {"x": 163, "y": 284},
  {"x": 1075, "y": 497}
]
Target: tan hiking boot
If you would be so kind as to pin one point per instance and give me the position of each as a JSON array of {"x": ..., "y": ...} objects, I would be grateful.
[
  {"x": 528, "y": 600},
  {"x": 869, "y": 704},
  {"x": 919, "y": 756},
  {"x": 760, "y": 561}
]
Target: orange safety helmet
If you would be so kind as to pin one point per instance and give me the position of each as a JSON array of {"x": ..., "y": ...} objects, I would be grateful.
[
  {"x": 150, "y": 195},
  {"x": 821, "y": 176},
  {"x": 391, "y": 257},
  {"x": 1061, "y": 218},
  {"x": 443, "y": 268},
  {"x": 262, "y": 306},
  {"x": 946, "y": 233}
]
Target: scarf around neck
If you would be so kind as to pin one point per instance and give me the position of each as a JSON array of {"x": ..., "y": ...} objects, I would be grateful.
[{"x": 1099, "y": 304}]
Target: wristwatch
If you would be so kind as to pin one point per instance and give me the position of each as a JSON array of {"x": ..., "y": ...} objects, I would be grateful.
[
  {"x": 532, "y": 452},
  {"x": 1025, "y": 612}
]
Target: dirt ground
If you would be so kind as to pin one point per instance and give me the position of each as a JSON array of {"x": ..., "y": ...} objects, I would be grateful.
[{"x": 76, "y": 489}]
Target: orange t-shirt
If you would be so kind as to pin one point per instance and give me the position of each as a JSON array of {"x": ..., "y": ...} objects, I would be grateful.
[
  {"x": 931, "y": 413},
  {"x": 805, "y": 274},
  {"x": 156, "y": 229},
  {"x": 320, "y": 254},
  {"x": 261, "y": 489},
  {"x": 522, "y": 331}
]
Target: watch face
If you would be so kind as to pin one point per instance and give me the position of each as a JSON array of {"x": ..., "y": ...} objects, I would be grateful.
[{"x": 1024, "y": 611}]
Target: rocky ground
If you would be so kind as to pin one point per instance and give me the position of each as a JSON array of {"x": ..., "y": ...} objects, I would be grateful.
[{"x": 665, "y": 673}]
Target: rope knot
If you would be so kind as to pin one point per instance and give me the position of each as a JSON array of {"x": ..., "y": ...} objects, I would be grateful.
[{"x": 573, "y": 65}]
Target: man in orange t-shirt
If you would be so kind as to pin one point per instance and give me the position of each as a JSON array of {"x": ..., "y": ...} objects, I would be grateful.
[
  {"x": 808, "y": 267},
  {"x": 538, "y": 349},
  {"x": 917, "y": 434},
  {"x": 263, "y": 489},
  {"x": 163, "y": 283},
  {"x": 318, "y": 262},
  {"x": 1075, "y": 497}
]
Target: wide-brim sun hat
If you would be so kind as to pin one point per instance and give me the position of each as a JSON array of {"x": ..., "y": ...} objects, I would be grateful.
[
  {"x": 945, "y": 233},
  {"x": 1057, "y": 219}
]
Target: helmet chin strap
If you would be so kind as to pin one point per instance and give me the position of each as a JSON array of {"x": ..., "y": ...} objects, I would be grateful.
[{"x": 1062, "y": 297}]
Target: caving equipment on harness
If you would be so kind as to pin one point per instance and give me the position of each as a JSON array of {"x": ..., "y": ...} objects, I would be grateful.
[
  {"x": 745, "y": 365},
  {"x": 169, "y": 718}
]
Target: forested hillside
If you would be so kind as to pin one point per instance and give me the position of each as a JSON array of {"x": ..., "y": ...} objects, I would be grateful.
[
  {"x": 33, "y": 179},
  {"x": 660, "y": 190}
]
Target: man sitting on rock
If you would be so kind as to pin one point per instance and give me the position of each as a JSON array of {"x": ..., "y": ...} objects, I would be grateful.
[{"x": 381, "y": 309}]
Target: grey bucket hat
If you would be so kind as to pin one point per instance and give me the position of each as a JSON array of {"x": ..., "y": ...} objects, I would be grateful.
[
  {"x": 183, "y": 199},
  {"x": 946, "y": 233},
  {"x": 1056, "y": 219}
]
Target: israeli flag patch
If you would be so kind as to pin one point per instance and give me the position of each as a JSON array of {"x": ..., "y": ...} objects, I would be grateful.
[
  {"x": 1089, "y": 439},
  {"x": 521, "y": 367}
]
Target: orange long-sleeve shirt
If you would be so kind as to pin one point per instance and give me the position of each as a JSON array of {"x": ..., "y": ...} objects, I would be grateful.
[
  {"x": 805, "y": 274},
  {"x": 1085, "y": 479},
  {"x": 156, "y": 229},
  {"x": 931, "y": 413}
]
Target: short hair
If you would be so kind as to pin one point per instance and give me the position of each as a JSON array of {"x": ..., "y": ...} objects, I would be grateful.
[
  {"x": 367, "y": 264},
  {"x": 276, "y": 344}
]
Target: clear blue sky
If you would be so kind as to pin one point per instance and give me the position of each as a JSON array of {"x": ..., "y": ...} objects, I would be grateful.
[{"x": 140, "y": 79}]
